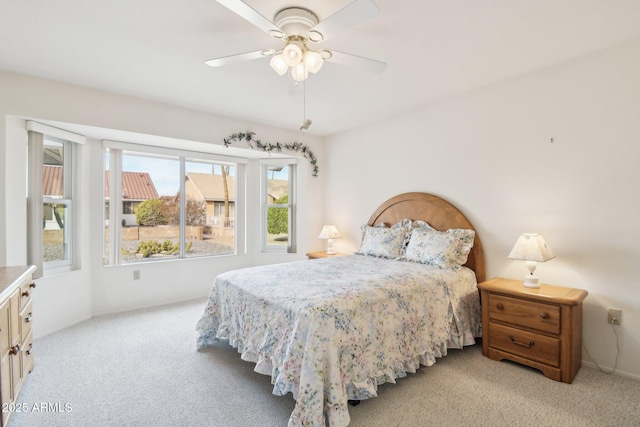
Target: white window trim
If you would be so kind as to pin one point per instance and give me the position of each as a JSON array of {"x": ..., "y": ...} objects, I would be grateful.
[
  {"x": 35, "y": 248},
  {"x": 115, "y": 200},
  {"x": 292, "y": 223}
]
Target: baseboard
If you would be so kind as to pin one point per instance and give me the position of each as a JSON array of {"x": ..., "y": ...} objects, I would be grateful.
[
  {"x": 607, "y": 370},
  {"x": 45, "y": 333}
]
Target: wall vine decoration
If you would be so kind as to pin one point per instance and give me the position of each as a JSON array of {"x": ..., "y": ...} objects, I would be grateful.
[{"x": 248, "y": 136}]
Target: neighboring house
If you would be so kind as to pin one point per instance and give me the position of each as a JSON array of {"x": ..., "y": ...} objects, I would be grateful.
[
  {"x": 277, "y": 189},
  {"x": 208, "y": 188},
  {"x": 51, "y": 187},
  {"x": 136, "y": 188}
]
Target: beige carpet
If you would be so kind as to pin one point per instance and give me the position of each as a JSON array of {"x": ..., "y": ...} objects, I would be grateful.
[{"x": 142, "y": 369}]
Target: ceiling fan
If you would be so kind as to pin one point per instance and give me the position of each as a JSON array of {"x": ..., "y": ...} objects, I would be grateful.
[{"x": 297, "y": 27}]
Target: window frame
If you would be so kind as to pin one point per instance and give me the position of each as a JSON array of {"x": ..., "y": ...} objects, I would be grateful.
[
  {"x": 37, "y": 135},
  {"x": 265, "y": 164},
  {"x": 116, "y": 149}
]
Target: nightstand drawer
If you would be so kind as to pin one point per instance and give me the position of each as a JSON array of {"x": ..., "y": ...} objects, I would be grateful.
[
  {"x": 534, "y": 315},
  {"x": 526, "y": 344}
]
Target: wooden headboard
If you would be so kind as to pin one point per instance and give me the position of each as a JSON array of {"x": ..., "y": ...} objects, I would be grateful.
[{"x": 439, "y": 213}]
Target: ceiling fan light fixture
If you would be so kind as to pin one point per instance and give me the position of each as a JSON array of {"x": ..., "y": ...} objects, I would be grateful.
[
  {"x": 312, "y": 61},
  {"x": 299, "y": 72},
  {"x": 279, "y": 65},
  {"x": 292, "y": 53}
]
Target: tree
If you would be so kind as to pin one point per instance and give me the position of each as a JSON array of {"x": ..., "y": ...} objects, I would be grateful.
[
  {"x": 150, "y": 212},
  {"x": 225, "y": 173},
  {"x": 278, "y": 218},
  {"x": 195, "y": 211}
]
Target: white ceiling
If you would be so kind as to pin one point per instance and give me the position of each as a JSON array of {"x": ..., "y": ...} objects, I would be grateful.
[{"x": 156, "y": 49}]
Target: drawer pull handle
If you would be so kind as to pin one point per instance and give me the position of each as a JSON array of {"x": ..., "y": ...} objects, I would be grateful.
[
  {"x": 30, "y": 349},
  {"x": 33, "y": 285},
  {"x": 513, "y": 340},
  {"x": 544, "y": 315},
  {"x": 499, "y": 306},
  {"x": 25, "y": 294},
  {"x": 14, "y": 350},
  {"x": 28, "y": 318}
]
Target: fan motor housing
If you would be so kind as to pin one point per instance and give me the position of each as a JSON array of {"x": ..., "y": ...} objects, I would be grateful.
[{"x": 295, "y": 21}]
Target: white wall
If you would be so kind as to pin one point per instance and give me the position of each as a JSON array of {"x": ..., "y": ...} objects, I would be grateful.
[
  {"x": 490, "y": 153},
  {"x": 67, "y": 298}
]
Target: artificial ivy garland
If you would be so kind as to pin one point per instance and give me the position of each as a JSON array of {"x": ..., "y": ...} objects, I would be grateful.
[{"x": 269, "y": 147}]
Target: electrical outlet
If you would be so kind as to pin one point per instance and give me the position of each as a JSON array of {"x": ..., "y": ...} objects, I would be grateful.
[
  {"x": 136, "y": 276},
  {"x": 614, "y": 316}
]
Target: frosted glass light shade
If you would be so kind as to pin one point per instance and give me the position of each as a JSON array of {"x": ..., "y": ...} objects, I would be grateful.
[
  {"x": 292, "y": 54},
  {"x": 279, "y": 65},
  {"x": 299, "y": 72},
  {"x": 313, "y": 61}
]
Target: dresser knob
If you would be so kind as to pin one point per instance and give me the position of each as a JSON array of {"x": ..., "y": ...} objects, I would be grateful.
[
  {"x": 33, "y": 285},
  {"x": 544, "y": 315},
  {"x": 499, "y": 306},
  {"x": 28, "y": 318},
  {"x": 25, "y": 294},
  {"x": 14, "y": 350}
]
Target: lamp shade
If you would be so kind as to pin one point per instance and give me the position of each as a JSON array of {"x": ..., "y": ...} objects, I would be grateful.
[
  {"x": 279, "y": 65},
  {"x": 299, "y": 72},
  {"x": 329, "y": 232},
  {"x": 292, "y": 54},
  {"x": 531, "y": 247},
  {"x": 312, "y": 61}
]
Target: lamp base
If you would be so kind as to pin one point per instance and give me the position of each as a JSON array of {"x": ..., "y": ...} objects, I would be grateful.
[
  {"x": 330, "y": 250},
  {"x": 531, "y": 281}
]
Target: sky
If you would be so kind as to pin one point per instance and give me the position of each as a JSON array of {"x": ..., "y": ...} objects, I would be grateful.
[{"x": 165, "y": 172}]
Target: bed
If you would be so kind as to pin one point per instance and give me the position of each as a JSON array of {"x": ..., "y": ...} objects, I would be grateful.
[{"x": 332, "y": 330}]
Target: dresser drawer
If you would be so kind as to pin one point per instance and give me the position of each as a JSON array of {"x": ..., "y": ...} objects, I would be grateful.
[
  {"x": 25, "y": 292},
  {"x": 526, "y": 344},
  {"x": 534, "y": 315},
  {"x": 27, "y": 354},
  {"x": 26, "y": 317}
]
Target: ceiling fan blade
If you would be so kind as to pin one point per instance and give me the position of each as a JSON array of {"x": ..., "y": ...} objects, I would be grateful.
[
  {"x": 245, "y": 11},
  {"x": 227, "y": 60},
  {"x": 360, "y": 62},
  {"x": 351, "y": 15}
]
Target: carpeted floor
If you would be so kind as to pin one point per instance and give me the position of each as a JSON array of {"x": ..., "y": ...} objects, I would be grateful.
[{"x": 142, "y": 369}]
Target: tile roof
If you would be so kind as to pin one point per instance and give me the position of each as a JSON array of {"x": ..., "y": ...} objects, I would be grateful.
[
  {"x": 135, "y": 185},
  {"x": 52, "y": 180}
]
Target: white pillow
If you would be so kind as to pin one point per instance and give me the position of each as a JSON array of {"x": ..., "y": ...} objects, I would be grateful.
[{"x": 446, "y": 249}]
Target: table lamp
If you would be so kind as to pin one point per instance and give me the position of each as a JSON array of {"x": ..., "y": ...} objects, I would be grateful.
[
  {"x": 329, "y": 232},
  {"x": 531, "y": 248}
]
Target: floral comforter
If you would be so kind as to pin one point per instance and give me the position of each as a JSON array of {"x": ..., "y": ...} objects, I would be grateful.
[{"x": 329, "y": 330}]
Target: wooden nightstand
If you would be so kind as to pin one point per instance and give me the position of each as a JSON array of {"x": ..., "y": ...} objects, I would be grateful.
[
  {"x": 540, "y": 328},
  {"x": 322, "y": 254}
]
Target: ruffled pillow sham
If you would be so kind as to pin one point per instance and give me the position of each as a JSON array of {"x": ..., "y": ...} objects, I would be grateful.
[
  {"x": 385, "y": 242},
  {"x": 445, "y": 249}
]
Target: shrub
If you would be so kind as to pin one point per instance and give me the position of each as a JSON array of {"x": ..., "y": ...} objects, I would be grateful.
[
  {"x": 154, "y": 247},
  {"x": 150, "y": 212},
  {"x": 278, "y": 218}
]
